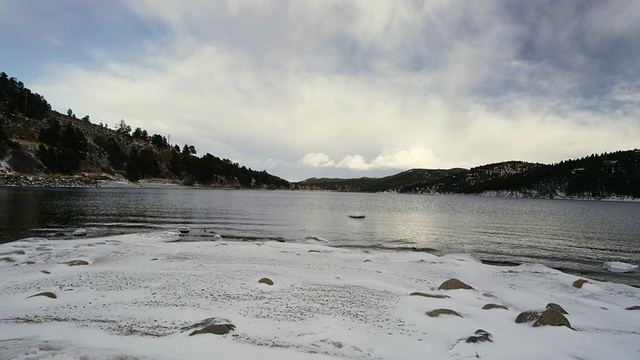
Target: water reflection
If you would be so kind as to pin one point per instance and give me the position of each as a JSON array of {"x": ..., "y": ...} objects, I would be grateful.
[{"x": 573, "y": 235}]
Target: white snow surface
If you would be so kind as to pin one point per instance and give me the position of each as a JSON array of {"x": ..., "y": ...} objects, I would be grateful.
[
  {"x": 619, "y": 267},
  {"x": 138, "y": 291}
]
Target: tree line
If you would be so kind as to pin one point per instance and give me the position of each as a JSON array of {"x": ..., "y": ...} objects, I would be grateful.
[{"x": 68, "y": 145}]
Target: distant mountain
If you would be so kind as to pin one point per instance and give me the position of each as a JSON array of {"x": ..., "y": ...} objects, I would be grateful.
[
  {"x": 36, "y": 141},
  {"x": 615, "y": 174},
  {"x": 391, "y": 183}
]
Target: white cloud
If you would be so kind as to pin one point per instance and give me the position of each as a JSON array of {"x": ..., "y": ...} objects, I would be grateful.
[
  {"x": 348, "y": 87},
  {"x": 317, "y": 160}
]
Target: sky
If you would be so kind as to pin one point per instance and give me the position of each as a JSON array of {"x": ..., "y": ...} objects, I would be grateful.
[{"x": 342, "y": 88}]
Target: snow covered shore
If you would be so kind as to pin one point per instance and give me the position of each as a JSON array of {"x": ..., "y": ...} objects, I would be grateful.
[{"x": 135, "y": 296}]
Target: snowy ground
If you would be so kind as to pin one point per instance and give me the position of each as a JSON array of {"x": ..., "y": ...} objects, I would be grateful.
[{"x": 138, "y": 291}]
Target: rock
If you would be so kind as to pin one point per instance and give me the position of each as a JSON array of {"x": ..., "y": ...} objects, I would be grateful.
[
  {"x": 48, "y": 294},
  {"x": 480, "y": 336},
  {"x": 578, "y": 283},
  {"x": 557, "y": 307},
  {"x": 552, "y": 317},
  {"x": 59, "y": 234},
  {"x": 214, "y": 325},
  {"x": 314, "y": 251},
  {"x": 184, "y": 230},
  {"x": 80, "y": 232},
  {"x": 438, "y": 312},
  {"x": 266, "y": 281},
  {"x": 45, "y": 272},
  {"x": 453, "y": 284},
  {"x": 8, "y": 259},
  {"x": 29, "y": 262},
  {"x": 494, "y": 306},
  {"x": 635, "y": 307},
  {"x": 76, "y": 262},
  {"x": 433, "y": 296},
  {"x": 527, "y": 316}
]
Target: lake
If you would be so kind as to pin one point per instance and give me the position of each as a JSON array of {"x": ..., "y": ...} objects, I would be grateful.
[{"x": 573, "y": 236}]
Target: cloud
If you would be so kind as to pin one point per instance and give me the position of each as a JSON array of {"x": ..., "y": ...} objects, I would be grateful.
[
  {"x": 351, "y": 87},
  {"x": 317, "y": 160}
]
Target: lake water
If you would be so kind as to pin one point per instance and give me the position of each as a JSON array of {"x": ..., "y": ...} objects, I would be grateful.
[{"x": 574, "y": 236}]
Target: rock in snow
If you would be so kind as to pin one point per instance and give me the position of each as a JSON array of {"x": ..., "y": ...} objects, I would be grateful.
[
  {"x": 326, "y": 306},
  {"x": 214, "y": 325}
]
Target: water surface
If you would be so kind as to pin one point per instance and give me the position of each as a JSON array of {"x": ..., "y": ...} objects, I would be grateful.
[{"x": 574, "y": 236}]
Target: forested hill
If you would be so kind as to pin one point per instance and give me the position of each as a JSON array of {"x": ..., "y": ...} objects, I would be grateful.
[
  {"x": 41, "y": 143},
  {"x": 615, "y": 174}
]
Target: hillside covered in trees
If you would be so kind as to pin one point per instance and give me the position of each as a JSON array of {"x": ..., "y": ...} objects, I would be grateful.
[
  {"x": 34, "y": 140},
  {"x": 615, "y": 174}
]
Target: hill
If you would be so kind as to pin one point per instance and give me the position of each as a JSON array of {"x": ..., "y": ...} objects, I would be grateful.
[
  {"x": 39, "y": 146},
  {"x": 607, "y": 175},
  {"x": 391, "y": 183}
]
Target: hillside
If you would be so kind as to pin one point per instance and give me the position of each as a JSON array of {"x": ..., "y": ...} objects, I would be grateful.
[
  {"x": 41, "y": 147},
  {"x": 391, "y": 183},
  {"x": 607, "y": 175}
]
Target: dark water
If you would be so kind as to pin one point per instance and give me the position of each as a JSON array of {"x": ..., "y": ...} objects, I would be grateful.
[{"x": 574, "y": 236}]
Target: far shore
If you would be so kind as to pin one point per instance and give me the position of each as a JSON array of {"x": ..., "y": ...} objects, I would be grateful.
[{"x": 86, "y": 180}]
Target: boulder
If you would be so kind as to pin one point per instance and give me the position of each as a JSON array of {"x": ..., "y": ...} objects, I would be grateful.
[
  {"x": 433, "y": 296},
  {"x": 453, "y": 284},
  {"x": 480, "y": 336},
  {"x": 494, "y": 306},
  {"x": 45, "y": 272},
  {"x": 214, "y": 325},
  {"x": 527, "y": 316},
  {"x": 557, "y": 307},
  {"x": 438, "y": 312},
  {"x": 635, "y": 307},
  {"x": 549, "y": 317},
  {"x": 266, "y": 281},
  {"x": 552, "y": 317},
  {"x": 76, "y": 262},
  {"x": 48, "y": 294},
  {"x": 578, "y": 283}
]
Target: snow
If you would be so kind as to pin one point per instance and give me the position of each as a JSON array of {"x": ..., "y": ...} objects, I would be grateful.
[
  {"x": 80, "y": 232},
  {"x": 139, "y": 291},
  {"x": 619, "y": 267}
]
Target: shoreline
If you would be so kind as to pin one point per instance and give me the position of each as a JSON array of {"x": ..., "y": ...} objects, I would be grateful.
[
  {"x": 602, "y": 276},
  {"x": 137, "y": 293},
  {"x": 118, "y": 182}
]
